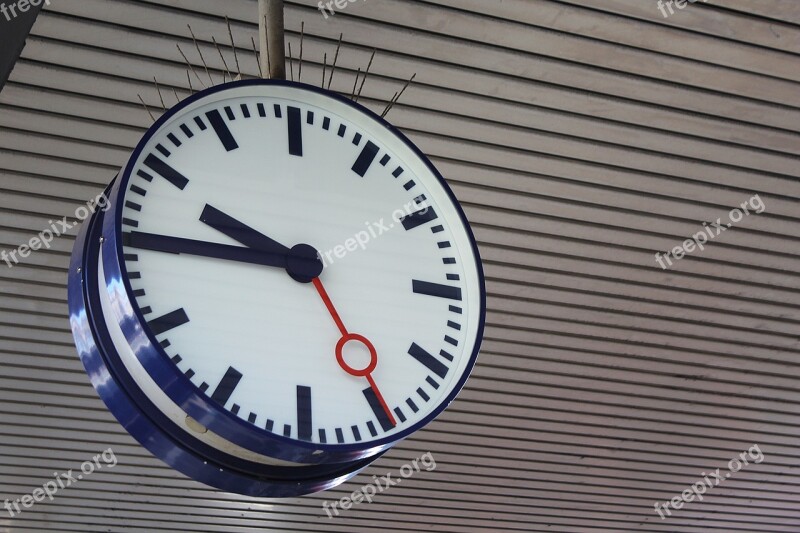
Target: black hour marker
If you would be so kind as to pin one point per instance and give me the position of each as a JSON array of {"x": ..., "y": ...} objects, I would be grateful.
[
  {"x": 169, "y": 321},
  {"x": 235, "y": 409},
  {"x": 326, "y": 123},
  {"x": 165, "y": 344},
  {"x": 189, "y": 373},
  {"x": 200, "y": 123},
  {"x": 342, "y": 130},
  {"x": 204, "y": 386},
  {"x": 437, "y": 229},
  {"x": 453, "y": 277},
  {"x": 371, "y": 428},
  {"x": 444, "y": 244},
  {"x": 455, "y": 309},
  {"x": 222, "y": 131},
  {"x": 245, "y": 110},
  {"x": 269, "y": 425},
  {"x": 436, "y": 289},
  {"x": 423, "y": 394},
  {"x": 131, "y": 257},
  {"x": 163, "y": 150},
  {"x": 229, "y": 112},
  {"x": 323, "y": 439},
  {"x": 449, "y": 260},
  {"x": 357, "y": 139},
  {"x": 385, "y": 159},
  {"x": 135, "y": 275},
  {"x": 277, "y": 109},
  {"x": 252, "y": 418},
  {"x": 433, "y": 364},
  {"x": 287, "y": 430},
  {"x": 412, "y": 405},
  {"x": 138, "y": 190},
  {"x": 226, "y": 386},
  {"x": 261, "y": 111},
  {"x": 356, "y": 433},
  {"x": 138, "y": 293},
  {"x": 295, "y": 131},
  {"x": 418, "y": 218},
  {"x": 310, "y": 117},
  {"x": 365, "y": 158},
  {"x": 397, "y": 172},
  {"x": 450, "y": 340},
  {"x": 454, "y": 325},
  {"x": 177, "y": 359},
  {"x": 400, "y": 414},
  {"x": 133, "y": 205},
  {"x": 174, "y": 140},
  {"x": 304, "y": 430},
  {"x": 409, "y": 185},
  {"x": 144, "y": 175},
  {"x": 339, "y": 435},
  {"x": 377, "y": 409},
  {"x": 146, "y": 310},
  {"x": 186, "y": 131},
  {"x": 432, "y": 382},
  {"x": 129, "y": 222},
  {"x": 166, "y": 171}
]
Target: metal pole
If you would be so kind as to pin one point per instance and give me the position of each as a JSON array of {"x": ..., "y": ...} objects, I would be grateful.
[{"x": 271, "y": 36}]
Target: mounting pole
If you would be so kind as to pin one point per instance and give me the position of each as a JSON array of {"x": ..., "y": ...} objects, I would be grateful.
[{"x": 271, "y": 37}]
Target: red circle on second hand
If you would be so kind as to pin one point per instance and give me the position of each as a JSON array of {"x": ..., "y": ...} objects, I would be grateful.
[{"x": 373, "y": 355}]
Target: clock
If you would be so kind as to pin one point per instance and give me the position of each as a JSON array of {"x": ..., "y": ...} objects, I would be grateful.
[{"x": 282, "y": 288}]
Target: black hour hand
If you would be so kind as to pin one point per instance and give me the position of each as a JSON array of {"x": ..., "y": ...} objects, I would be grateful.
[
  {"x": 302, "y": 261},
  {"x": 240, "y": 232}
]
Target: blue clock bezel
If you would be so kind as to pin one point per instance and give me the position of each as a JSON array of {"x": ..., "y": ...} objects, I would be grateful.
[
  {"x": 158, "y": 434},
  {"x": 182, "y": 391}
]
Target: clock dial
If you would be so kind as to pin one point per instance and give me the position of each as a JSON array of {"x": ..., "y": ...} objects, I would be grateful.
[{"x": 301, "y": 265}]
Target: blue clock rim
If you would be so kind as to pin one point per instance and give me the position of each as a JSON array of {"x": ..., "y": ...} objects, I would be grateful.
[
  {"x": 183, "y": 453},
  {"x": 180, "y": 389}
]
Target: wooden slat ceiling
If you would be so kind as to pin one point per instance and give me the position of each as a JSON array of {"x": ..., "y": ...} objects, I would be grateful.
[{"x": 581, "y": 136}]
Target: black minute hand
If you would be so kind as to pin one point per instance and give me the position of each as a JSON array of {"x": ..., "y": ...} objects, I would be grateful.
[{"x": 178, "y": 245}]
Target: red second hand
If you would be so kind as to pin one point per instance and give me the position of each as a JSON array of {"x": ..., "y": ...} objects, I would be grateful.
[
  {"x": 346, "y": 336},
  {"x": 329, "y": 304}
]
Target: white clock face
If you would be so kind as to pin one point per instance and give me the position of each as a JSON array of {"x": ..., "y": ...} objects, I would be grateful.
[{"x": 359, "y": 351}]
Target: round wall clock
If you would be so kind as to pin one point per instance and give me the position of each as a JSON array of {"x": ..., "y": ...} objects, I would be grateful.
[{"x": 282, "y": 289}]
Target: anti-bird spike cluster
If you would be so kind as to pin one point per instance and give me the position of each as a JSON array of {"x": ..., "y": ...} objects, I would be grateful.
[{"x": 228, "y": 73}]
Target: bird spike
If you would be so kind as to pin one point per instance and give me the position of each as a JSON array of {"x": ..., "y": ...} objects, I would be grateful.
[
  {"x": 188, "y": 64},
  {"x": 291, "y": 62},
  {"x": 233, "y": 45},
  {"x": 146, "y": 108},
  {"x": 397, "y": 97},
  {"x": 366, "y": 73},
  {"x": 197, "y": 45},
  {"x": 302, "y": 35},
  {"x": 324, "y": 68},
  {"x": 335, "y": 58},
  {"x": 159, "y": 93},
  {"x": 358, "y": 73},
  {"x": 258, "y": 61},
  {"x": 225, "y": 63}
]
